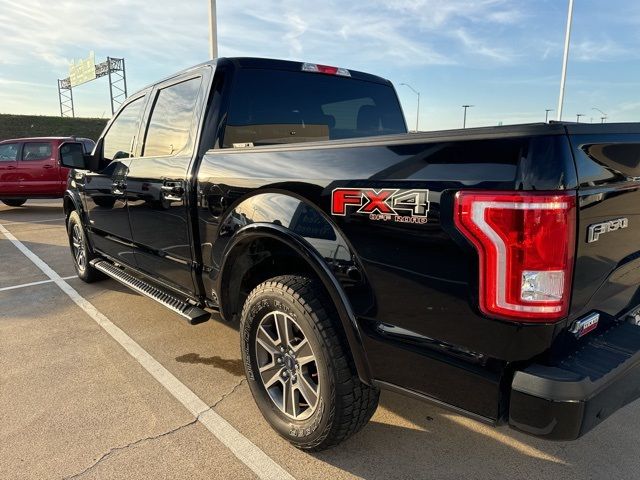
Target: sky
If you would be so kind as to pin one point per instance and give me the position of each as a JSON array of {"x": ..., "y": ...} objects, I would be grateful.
[{"x": 502, "y": 56}]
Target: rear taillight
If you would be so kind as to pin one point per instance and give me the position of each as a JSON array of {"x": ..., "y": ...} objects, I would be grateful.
[{"x": 525, "y": 243}]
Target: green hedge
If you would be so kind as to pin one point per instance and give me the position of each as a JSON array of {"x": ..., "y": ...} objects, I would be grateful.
[{"x": 17, "y": 126}]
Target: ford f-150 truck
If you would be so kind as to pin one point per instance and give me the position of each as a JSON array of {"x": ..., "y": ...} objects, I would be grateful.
[
  {"x": 493, "y": 271},
  {"x": 29, "y": 168}
]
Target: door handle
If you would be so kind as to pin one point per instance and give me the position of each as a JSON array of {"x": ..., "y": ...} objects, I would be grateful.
[
  {"x": 11, "y": 167},
  {"x": 47, "y": 166}
]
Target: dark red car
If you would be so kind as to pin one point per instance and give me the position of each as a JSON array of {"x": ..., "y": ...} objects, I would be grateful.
[{"x": 29, "y": 168}]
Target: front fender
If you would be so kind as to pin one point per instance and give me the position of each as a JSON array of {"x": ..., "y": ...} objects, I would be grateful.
[{"x": 72, "y": 201}]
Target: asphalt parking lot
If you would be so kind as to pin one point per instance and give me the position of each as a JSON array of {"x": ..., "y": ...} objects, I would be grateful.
[{"x": 163, "y": 399}]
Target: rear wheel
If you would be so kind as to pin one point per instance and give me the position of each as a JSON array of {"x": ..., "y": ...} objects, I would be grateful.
[
  {"x": 299, "y": 367},
  {"x": 82, "y": 255},
  {"x": 17, "y": 202}
]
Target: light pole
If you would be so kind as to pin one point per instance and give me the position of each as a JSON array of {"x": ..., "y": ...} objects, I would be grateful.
[
  {"x": 565, "y": 59},
  {"x": 604, "y": 115},
  {"x": 578, "y": 115},
  {"x": 546, "y": 114},
  {"x": 213, "y": 30},
  {"x": 464, "y": 118},
  {"x": 418, "y": 108}
]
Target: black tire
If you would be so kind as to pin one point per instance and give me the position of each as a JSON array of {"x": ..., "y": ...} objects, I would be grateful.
[
  {"x": 80, "y": 248},
  {"x": 17, "y": 202},
  {"x": 344, "y": 404}
]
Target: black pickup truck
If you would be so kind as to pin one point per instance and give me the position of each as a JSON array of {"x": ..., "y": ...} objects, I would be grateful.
[{"x": 493, "y": 271}]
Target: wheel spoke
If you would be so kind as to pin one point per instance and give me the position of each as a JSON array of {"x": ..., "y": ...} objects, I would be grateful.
[
  {"x": 308, "y": 391},
  {"x": 304, "y": 354},
  {"x": 266, "y": 341},
  {"x": 270, "y": 374},
  {"x": 288, "y": 399},
  {"x": 283, "y": 324}
]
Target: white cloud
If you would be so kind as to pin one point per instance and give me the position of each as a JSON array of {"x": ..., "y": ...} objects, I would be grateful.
[{"x": 597, "y": 50}]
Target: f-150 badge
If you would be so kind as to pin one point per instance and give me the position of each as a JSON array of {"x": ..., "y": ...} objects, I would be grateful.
[
  {"x": 386, "y": 204},
  {"x": 598, "y": 229}
]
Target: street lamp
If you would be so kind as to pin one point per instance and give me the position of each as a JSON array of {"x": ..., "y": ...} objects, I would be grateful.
[
  {"x": 213, "y": 30},
  {"x": 604, "y": 115},
  {"x": 546, "y": 114},
  {"x": 418, "y": 108},
  {"x": 464, "y": 119},
  {"x": 565, "y": 59},
  {"x": 578, "y": 115}
]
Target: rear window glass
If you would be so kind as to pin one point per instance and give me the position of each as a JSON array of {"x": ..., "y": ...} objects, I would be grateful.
[
  {"x": 36, "y": 151},
  {"x": 272, "y": 106}
]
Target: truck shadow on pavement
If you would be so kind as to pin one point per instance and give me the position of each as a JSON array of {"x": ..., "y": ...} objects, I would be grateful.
[{"x": 411, "y": 439}]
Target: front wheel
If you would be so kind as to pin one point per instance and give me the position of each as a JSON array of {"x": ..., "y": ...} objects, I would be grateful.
[
  {"x": 82, "y": 255},
  {"x": 299, "y": 367},
  {"x": 17, "y": 202}
]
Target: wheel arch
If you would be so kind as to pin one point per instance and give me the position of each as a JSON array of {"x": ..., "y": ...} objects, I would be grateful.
[
  {"x": 239, "y": 269},
  {"x": 72, "y": 202}
]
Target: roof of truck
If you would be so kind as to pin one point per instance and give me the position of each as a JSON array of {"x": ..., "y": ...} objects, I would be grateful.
[{"x": 267, "y": 63}]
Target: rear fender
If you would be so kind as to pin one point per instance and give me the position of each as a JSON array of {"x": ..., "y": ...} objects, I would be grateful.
[{"x": 316, "y": 247}]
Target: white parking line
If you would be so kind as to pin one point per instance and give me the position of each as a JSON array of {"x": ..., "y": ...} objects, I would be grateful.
[
  {"x": 22, "y": 285},
  {"x": 246, "y": 451}
]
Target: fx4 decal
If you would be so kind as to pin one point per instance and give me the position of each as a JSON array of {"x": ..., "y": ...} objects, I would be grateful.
[{"x": 386, "y": 204}]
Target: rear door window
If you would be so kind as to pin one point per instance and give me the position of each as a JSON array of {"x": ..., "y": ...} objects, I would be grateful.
[
  {"x": 33, "y": 151},
  {"x": 170, "y": 130},
  {"x": 9, "y": 152},
  {"x": 276, "y": 106}
]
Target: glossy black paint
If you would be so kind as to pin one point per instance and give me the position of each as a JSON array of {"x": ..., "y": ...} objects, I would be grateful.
[
  {"x": 406, "y": 293},
  {"x": 158, "y": 192},
  {"x": 566, "y": 400}
]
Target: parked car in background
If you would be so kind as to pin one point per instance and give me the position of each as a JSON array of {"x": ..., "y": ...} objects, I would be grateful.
[{"x": 29, "y": 168}]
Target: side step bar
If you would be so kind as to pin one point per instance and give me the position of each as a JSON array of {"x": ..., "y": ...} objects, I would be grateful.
[{"x": 194, "y": 315}]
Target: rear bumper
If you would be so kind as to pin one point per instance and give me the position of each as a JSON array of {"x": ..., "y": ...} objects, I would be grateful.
[{"x": 565, "y": 401}]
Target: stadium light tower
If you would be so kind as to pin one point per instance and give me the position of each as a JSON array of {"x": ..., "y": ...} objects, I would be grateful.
[{"x": 213, "y": 30}]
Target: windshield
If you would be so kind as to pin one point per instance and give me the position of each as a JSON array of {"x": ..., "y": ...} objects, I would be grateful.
[{"x": 274, "y": 106}]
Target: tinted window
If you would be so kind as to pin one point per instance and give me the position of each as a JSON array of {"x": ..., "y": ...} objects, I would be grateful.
[
  {"x": 271, "y": 106},
  {"x": 36, "y": 151},
  {"x": 169, "y": 131},
  {"x": 119, "y": 139},
  {"x": 9, "y": 152}
]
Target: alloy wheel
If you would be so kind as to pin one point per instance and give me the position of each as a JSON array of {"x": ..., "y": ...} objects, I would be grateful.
[{"x": 287, "y": 365}]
